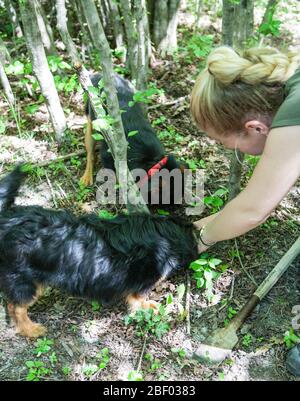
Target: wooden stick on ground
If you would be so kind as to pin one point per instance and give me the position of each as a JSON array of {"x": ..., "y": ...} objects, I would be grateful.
[{"x": 222, "y": 341}]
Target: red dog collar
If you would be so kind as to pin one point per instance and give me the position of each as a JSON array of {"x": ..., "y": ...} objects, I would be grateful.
[{"x": 152, "y": 171}]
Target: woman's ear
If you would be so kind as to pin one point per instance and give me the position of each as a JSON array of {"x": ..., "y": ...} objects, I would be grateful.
[{"x": 254, "y": 127}]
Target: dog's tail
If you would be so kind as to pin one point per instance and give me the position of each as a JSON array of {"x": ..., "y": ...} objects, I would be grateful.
[{"x": 9, "y": 187}]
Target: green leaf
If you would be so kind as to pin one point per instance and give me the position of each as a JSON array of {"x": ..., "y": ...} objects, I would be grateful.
[
  {"x": 180, "y": 291},
  {"x": 163, "y": 212},
  {"x": 135, "y": 376},
  {"x": 105, "y": 214},
  {"x": 132, "y": 133},
  {"x": 65, "y": 65},
  {"x": 32, "y": 108},
  {"x": 98, "y": 137},
  {"x": 169, "y": 299}
]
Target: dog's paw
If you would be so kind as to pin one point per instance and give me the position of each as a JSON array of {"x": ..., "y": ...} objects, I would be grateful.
[
  {"x": 150, "y": 305},
  {"x": 87, "y": 179},
  {"x": 32, "y": 331}
]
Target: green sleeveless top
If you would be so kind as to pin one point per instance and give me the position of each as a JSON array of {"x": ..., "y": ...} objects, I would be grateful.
[{"x": 288, "y": 113}]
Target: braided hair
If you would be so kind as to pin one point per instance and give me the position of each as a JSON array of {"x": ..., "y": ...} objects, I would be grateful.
[{"x": 234, "y": 87}]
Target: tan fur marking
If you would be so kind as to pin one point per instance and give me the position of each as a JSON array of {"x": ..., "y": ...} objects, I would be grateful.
[
  {"x": 24, "y": 325},
  {"x": 87, "y": 178},
  {"x": 136, "y": 301}
]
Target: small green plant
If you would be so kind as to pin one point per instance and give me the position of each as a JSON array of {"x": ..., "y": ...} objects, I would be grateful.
[
  {"x": 271, "y": 26},
  {"x": 230, "y": 313},
  {"x": 105, "y": 214},
  {"x": 251, "y": 163},
  {"x": 200, "y": 45},
  {"x": 95, "y": 306},
  {"x": 83, "y": 192},
  {"x": 135, "y": 376},
  {"x": 216, "y": 200},
  {"x": 66, "y": 370},
  {"x": 207, "y": 269},
  {"x": 56, "y": 62},
  {"x": 159, "y": 121},
  {"x": 163, "y": 212},
  {"x": 42, "y": 346},
  {"x": 100, "y": 363},
  {"x": 180, "y": 352},
  {"x": 31, "y": 108},
  {"x": 53, "y": 358},
  {"x": 148, "y": 321},
  {"x": 154, "y": 363},
  {"x": 145, "y": 96},
  {"x": 103, "y": 358},
  {"x": 247, "y": 340},
  {"x": 37, "y": 371},
  {"x": 291, "y": 338},
  {"x": 57, "y": 168},
  {"x": 89, "y": 370},
  {"x": 221, "y": 376},
  {"x": 270, "y": 224},
  {"x": 170, "y": 135},
  {"x": 195, "y": 164}
]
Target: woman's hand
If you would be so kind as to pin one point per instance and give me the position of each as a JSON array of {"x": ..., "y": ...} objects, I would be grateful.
[
  {"x": 199, "y": 224},
  {"x": 201, "y": 248}
]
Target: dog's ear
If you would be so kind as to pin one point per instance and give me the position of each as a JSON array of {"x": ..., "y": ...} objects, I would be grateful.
[
  {"x": 173, "y": 163},
  {"x": 183, "y": 166}
]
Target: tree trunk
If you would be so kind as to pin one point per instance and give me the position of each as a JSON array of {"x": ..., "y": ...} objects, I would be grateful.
[
  {"x": 227, "y": 22},
  {"x": 6, "y": 85},
  {"x": 160, "y": 23},
  {"x": 198, "y": 14},
  {"x": 45, "y": 31},
  {"x": 93, "y": 21},
  {"x": 243, "y": 22},
  {"x": 141, "y": 18},
  {"x": 13, "y": 16},
  {"x": 85, "y": 41},
  {"x": 4, "y": 53},
  {"x": 117, "y": 24},
  {"x": 101, "y": 14},
  {"x": 62, "y": 27},
  {"x": 237, "y": 27},
  {"x": 40, "y": 67},
  {"x": 132, "y": 41},
  {"x": 169, "y": 42}
]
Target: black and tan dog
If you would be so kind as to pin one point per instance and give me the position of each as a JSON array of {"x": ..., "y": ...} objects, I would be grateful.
[
  {"x": 99, "y": 259},
  {"x": 145, "y": 151}
]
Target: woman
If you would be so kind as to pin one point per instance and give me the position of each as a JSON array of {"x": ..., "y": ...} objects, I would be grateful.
[{"x": 251, "y": 102}]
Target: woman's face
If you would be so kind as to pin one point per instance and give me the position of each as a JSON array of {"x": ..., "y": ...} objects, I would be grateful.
[{"x": 251, "y": 141}]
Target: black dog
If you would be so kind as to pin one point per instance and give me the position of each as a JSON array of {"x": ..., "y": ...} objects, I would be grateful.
[
  {"x": 145, "y": 151},
  {"x": 99, "y": 259}
]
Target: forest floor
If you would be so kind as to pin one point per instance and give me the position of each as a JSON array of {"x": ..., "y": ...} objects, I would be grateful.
[{"x": 78, "y": 330}]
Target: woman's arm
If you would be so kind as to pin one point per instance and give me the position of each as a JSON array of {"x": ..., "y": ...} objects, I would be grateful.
[{"x": 274, "y": 175}]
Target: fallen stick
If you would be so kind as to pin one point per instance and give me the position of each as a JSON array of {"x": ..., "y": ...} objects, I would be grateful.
[
  {"x": 219, "y": 345},
  {"x": 58, "y": 159}
]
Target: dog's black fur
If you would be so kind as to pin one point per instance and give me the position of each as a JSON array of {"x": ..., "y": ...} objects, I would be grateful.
[
  {"x": 144, "y": 149},
  {"x": 86, "y": 256}
]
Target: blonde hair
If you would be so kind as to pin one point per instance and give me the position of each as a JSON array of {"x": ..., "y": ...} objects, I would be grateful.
[{"x": 235, "y": 86}]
